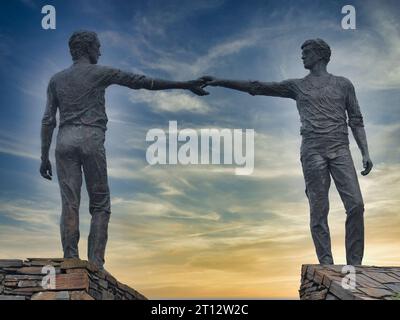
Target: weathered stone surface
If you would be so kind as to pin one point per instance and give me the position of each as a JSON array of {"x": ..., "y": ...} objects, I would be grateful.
[
  {"x": 25, "y": 291},
  {"x": 335, "y": 268},
  {"x": 393, "y": 286},
  {"x": 303, "y": 270},
  {"x": 28, "y": 283},
  {"x": 47, "y": 295},
  {"x": 30, "y": 270},
  {"x": 318, "y": 295},
  {"x": 103, "y": 283},
  {"x": 80, "y": 295},
  {"x": 135, "y": 293},
  {"x": 10, "y": 283},
  {"x": 365, "y": 281},
  {"x": 106, "y": 295},
  {"x": 77, "y": 270},
  {"x": 377, "y": 293},
  {"x": 37, "y": 263},
  {"x": 9, "y": 297},
  {"x": 97, "y": 295},
  {"x": 320, "y": 282},
  {"x": 77, "y": 263},
  {"x": 318, "y": 275},
  {"x": 75, "y": 280},
  {"x": 381, "y": 277},
  {"x": 327, "y": 281},
  {"x": 306, "y": 285},
  {"x": 394, "y": 275},
  {"x": 47, "y": 259},
  {"x": 72, "y": 281},
  {"x": 111, "y": 279},
  {"x": 343, "y": 294},
  {"x": 51, "y": 295},
  {"x": 330, "y": 296},
  {"x": 9, "y": 270},
  {"x": 17, "y": 277},
  {"x": 5, "y": 263},
  {"x": 364, "y": 297}
]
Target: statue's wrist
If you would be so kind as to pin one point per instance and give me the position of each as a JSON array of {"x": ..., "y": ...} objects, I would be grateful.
[
  {"x": 365, "y": 154},
  {"x": 186, "y": 85}
]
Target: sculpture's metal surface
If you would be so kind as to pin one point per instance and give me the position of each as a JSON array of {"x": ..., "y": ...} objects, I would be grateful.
[
  {"x": 78, "y": 93},
  {"x": 324, "y": 102}
]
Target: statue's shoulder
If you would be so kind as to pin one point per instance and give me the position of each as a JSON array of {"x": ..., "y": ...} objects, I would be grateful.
[
  {"x": 99, "y": 71},
  {"x": 343, "y": 81},
  {"x": 103, "y": 69},
  {"x": 296, "y": 81},
  {"x": 60, "y": 76}
]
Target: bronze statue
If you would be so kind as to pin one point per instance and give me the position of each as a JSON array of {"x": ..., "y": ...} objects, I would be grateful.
[
  {"x": 322, "y": 101},
  {"x": 78, "y": 93}
]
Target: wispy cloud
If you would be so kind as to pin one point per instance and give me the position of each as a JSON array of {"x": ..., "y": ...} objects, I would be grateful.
[
  {"x": 17, "y": 146},
  {"x": 368, "y": 54},
  {"x": 199, "y": 230},
  {"x": 170, "y": 101},
  {"x": 202, "y": 64}
]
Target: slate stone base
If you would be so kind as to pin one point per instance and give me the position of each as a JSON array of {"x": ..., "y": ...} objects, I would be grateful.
[
  {"x": 325, "y": 282},
  {"x": 73, "y": 279}
]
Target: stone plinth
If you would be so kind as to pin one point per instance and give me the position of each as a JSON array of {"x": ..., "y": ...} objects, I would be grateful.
[
  {"x": 333, "y": 282},
  {"x": 60, "y": 279}
]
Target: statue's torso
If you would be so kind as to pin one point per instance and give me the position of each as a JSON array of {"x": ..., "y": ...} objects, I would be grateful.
[
  {"x": 80, "y": 93},
  {"x": 322, "y": 107}
]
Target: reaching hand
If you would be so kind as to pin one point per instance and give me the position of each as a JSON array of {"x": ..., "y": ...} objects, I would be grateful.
[
  {"x": 209, "y": 81},
  {"x": 196, "y": 86},
  {"x": 45, "y": 169},
  {"x": 367, "y": 164}
]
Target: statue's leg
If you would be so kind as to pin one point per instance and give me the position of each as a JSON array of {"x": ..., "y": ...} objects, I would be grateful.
[
  {"x": 95, "y": 169},
  {"x": 345, "y": 177},
  {"x": 70, "y": 181},
  {"x": 317, "y": 180}
]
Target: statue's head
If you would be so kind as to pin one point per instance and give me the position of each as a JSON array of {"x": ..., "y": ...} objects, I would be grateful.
[
  {"x": 85, "y": 44},
  {"x": 315, "y": 51}
]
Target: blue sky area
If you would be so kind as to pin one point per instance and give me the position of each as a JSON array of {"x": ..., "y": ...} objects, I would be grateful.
[{"x": 200, "y": 231}]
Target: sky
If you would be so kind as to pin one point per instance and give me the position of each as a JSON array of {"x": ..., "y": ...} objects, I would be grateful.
[{"x": 200, "y": 231}]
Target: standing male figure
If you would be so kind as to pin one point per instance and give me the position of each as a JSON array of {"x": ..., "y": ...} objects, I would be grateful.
[
  {"x": 322, "y": 102},
  {"x": 78, "y": 93}
]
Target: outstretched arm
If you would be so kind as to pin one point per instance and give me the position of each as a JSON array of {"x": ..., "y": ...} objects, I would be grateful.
[
  {"x": 137, "y": 81},
  {"x": 192, "y": 85},
  {"x": 284, "y": 89},
  {"x": 356, "y": 124},
  {"x": 46, "y": 134},
  {"x": 245, "y": 86}
]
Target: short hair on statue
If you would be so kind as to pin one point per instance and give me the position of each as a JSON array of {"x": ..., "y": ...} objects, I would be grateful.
[
  {"x": 79, "y": 43},
  {"x": 319, "y": 46}
]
